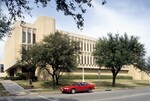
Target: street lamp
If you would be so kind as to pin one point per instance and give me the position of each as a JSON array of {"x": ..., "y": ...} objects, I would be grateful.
[{"x": 83, "y": 74}]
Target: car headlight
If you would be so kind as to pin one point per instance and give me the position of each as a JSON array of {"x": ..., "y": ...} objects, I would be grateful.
[{"x": 66, "y": 88}]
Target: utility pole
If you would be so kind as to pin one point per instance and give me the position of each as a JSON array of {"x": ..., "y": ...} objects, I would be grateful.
[{"x": 83, "y": 74}]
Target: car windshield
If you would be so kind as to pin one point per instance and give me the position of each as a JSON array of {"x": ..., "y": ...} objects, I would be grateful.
[
  {"x": 75, "y": 84},
  {"x": 79, "y": 84}
]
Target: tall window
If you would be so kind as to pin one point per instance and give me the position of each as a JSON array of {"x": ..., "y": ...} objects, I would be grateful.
[
  {"x": 87, "y": 47},
  {"x": 24, "y": 35},
  {"x": 84, "y": 46},
  {"x": 34, "y": 38},
  {"x": 1, "y": 68},
  {"x": 34, "y": 35},
  {"x": 29, "y": 35},
  {"x": 81, "y": 43}
]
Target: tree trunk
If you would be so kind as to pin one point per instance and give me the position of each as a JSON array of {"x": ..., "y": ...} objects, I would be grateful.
[
  {"x": 114, "y": 80},
  {"x": 57, "y": 80},
  {"x": 53, "y": 77},
  {"x": 115, "y": 72}
]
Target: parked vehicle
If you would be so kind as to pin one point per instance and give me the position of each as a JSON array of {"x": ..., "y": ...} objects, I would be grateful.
[{"x": 78, "y": 87}]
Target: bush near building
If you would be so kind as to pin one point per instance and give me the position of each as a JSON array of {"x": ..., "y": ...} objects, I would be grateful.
[{"x": 94, "y": 77}]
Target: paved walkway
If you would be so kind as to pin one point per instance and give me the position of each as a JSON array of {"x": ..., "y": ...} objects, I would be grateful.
[{"x": 13, "y": 88}]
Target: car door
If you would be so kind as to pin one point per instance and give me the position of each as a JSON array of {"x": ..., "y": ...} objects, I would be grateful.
[{"x": 82, "y": 87}]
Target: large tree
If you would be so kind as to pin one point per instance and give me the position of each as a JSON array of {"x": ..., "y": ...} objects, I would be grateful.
[
  {"x": 26, "y": 61},
  {"x": 73, "y": 8},
  {"x": 57, "y": 54},
  {"x": 114, "y": 52}
]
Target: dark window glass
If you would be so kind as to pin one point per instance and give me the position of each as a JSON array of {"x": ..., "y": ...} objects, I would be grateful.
[
  {"x": 34, "y": 38},
  {"x": 87, "y": 47},
  {"x": 23, "y": 37},
  {"x": 1, "y": 68},
  {"x": 84, "y": 46},
  {"x": 34, "y": 35},
  {"x": 29, "y": 35}
]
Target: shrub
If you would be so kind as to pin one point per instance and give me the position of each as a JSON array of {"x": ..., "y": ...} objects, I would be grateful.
[
  {"x": 94, "y": 77},
  {"x": 20, "y": 76}
]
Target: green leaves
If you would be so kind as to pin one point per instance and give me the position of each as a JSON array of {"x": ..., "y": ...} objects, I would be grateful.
[
  {"x": 116, "y": 51},
  {"x": 4, "y": 25},
  {"x": 18, "y": 8}
]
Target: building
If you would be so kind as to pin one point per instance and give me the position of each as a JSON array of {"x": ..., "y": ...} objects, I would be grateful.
[
  {"x": 27, "y": 34},
  {"x": 2, "y": 73}
]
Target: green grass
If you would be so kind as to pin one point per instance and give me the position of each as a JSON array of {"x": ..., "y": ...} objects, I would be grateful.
[{"x": 103, "y": 84}]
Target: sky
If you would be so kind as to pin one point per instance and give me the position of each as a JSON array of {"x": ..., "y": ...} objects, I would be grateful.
[{"x": 116, "y": 16}]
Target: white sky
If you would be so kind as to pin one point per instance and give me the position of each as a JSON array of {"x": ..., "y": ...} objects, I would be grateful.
[{"x": 117, "y": 16}]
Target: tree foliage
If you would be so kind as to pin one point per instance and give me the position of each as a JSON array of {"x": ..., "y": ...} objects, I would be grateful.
[
  {"x": 4, "y": 25},
  {"x": 145, "y": 64},
  {"x": 26, "y": 61},
  {"x": 57, "y": 54},
  {"x": 117, "y": 51},
  {"x": 73, "y": 8}
]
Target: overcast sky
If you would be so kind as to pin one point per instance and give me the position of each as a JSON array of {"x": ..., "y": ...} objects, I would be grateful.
[{"x": 117, "y": 16}]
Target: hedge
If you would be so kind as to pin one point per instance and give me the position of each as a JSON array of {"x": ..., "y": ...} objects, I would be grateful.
[{"x": 94, "y": 77}]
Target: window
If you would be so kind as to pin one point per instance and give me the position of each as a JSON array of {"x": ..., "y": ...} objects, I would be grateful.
[
  {"x": 88, "y": 60},
  {"x": 23, "y": 34},
  {"x": 85, "y": 60},
  {"x": 81, "y": 59},
  {"x": 84, "y": 46},
  {"x": 87, "y": 47},
  {"x": 1, "y": 68},
  {"x": 23, "y": 37},
  {"x": 29, "y": 35},
  {"x": 90, "y": 48},
  {"x": 81, "y": 44},
  {"x": 34, "y": 36}
]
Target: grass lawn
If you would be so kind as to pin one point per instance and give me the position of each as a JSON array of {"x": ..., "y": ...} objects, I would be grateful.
[{"x": 105, "y": 84}]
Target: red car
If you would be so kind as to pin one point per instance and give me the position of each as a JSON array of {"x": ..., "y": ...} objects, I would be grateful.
[{"x": 77, "y": 87}]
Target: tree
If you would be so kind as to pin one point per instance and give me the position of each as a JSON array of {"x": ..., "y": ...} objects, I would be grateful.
[
  {"x": 73, "y": 8},
  {"x": 4, "y": 25},
  {"x": 117, "y": 51},
  {"x": 145, "y": 64},
  {"x": 27, "y": 61},
  {"x": 148, "y": 65},
  {"x": 57, "y": 54}
]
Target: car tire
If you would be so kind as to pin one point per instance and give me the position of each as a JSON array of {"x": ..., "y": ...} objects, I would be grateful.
[
  {"x": 89, "y": 90},
  {"x": 73, "y": 91}
]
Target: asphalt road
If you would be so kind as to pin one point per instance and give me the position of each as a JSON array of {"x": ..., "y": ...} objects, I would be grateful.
[{"x": 142, "y": 94}]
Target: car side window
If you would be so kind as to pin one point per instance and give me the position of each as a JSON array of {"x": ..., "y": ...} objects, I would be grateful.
[{"x": 82, "y": 84}]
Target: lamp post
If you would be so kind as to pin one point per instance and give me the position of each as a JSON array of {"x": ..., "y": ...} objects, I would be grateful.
[{"x": 83, "y": 74}]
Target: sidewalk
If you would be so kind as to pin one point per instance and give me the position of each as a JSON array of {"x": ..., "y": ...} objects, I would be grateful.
[{"x": 13, "y": 88}]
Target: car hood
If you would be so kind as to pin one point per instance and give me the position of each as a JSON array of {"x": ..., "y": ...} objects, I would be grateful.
[{"x": 67, "y": 86}]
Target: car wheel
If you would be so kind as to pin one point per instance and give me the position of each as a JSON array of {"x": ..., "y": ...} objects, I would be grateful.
[
  {"x": 89, "y": 90},
  {"x": 73, "y": 91}
]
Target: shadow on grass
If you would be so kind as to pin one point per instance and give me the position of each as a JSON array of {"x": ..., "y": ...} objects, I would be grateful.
[{"x": 142, "y": 84}]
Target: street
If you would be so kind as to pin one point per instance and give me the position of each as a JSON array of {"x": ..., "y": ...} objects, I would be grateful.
[{"x": 142, "y": 94}]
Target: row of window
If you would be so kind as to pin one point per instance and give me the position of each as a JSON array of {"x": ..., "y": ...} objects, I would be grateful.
[
  {"x": 28, "y": 35},
  {"x": 86, "y": 60},
  {"x": 85, "y": 45}
]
